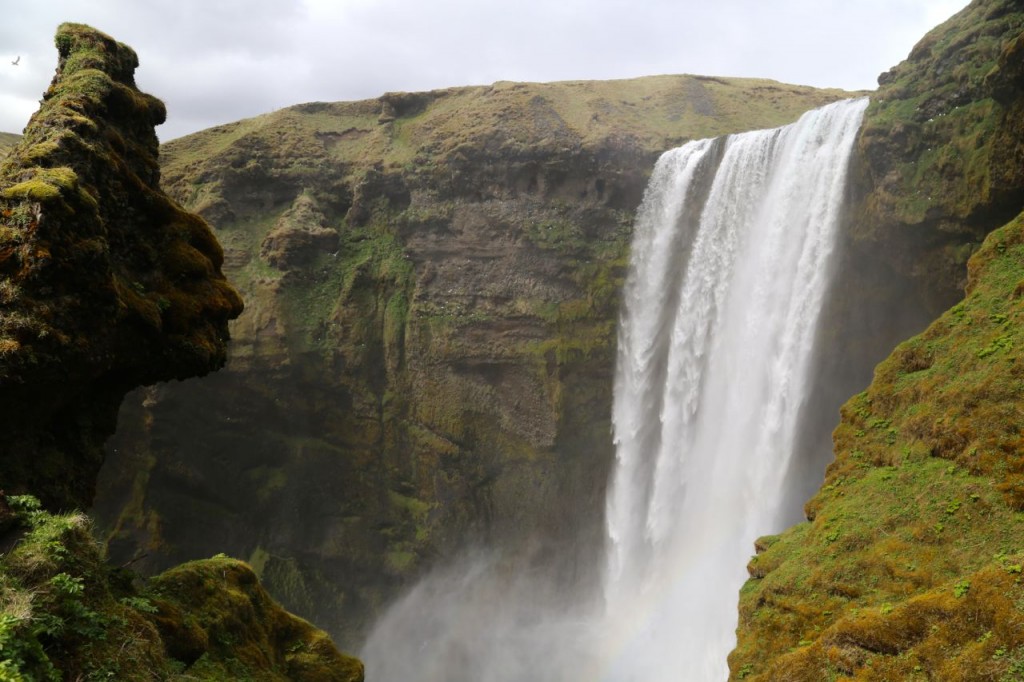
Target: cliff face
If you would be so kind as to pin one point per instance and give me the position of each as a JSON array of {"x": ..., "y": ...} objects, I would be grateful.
[
  {"x": 426, "y": 355},
  {"x": 941, "y": 147},
  {"x": 106, "y": 283},
  {"x": 910, "y": 566}
]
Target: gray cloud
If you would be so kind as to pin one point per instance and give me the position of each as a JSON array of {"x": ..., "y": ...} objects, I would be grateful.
[{"x": 214, "y": 62}]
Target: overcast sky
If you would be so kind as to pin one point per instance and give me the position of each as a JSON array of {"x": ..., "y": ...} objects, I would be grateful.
[{"x": 214, "y": 61}]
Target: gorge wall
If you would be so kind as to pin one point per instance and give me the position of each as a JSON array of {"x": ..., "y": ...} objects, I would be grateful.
[{"x": 432, "y": 285}]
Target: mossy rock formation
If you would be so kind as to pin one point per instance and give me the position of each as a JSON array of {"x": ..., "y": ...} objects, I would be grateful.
[
  {"x": 66, "y": 614},
  {"x": 105, "y": 283},
  {"x": 910, "y": 567},
  {"x": 432, "y": 285},
  {"x": 108, "y": 284}
]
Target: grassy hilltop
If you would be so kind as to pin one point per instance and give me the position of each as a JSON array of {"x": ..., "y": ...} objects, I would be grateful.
[{"x": 7, "y": 142}]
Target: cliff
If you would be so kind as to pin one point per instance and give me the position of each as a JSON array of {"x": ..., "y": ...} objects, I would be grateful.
[
  {"x": 425, "y": 360},
  {"x": 107, "y": 284},
  {"x": 910, "y": 565}
]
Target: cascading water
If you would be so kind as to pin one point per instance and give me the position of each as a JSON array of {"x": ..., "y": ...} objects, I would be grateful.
[
  {"x": 729, "y": 273},
  {"x": 729, "y": 269}
]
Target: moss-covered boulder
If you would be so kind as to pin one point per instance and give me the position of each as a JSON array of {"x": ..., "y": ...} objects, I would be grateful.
[
  {"x": 432, "y": 287},
  {"x": 105, "y": 283},
  {"x": 215, "y": 616},
  {"x": 910, "y": 565},
  {"x": 66, "y": 614}
]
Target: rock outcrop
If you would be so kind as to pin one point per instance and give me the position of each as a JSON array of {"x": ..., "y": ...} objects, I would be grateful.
[
  {"x": 106, "y": 283},
  {"x": 910, "y": 565},
  {"x": 425, "y": 361}
]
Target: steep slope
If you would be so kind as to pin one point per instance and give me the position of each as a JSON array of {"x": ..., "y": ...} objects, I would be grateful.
[
  {"x": 426, "y": 355},
  {"x": 910, "y": 566},
  {"x": 7, "y": 143},
  {"x": 105, "y": 284}
]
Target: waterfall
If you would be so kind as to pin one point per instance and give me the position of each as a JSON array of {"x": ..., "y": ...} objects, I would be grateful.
[
  {"x": 729, "y": 269},
  {"x": 730, "y": 263}
]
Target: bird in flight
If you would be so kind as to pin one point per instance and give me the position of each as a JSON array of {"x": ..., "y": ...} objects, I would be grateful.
[{"x": 15, "y": 62}]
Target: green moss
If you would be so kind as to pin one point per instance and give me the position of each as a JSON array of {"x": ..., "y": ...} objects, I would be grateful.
[
  {"x": 925, "y": 490},
  {"x": 63, "y": 612},
  {"x": 47, "y": 185},
  {"x": 583, "y": 327},
  {"x": 936, "y": 122},
  {"x": 102, "y": 261},
  {"x": 215, "y": 615},
  {"x": 400, "y": 562},
  {"x": 563, "y": 236},
  {"x": 38, "y": 151},
  {"x": 396, "y": 315},
  {"x": 413, "y": 506}
]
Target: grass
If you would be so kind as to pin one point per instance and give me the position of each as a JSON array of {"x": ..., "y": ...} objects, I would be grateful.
[
  {"x": 908, "y": 567},
  {"x": 654, "y": 111},
  {"x": 913, "y": 552},
  {"x": 66, "y": 614}
]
